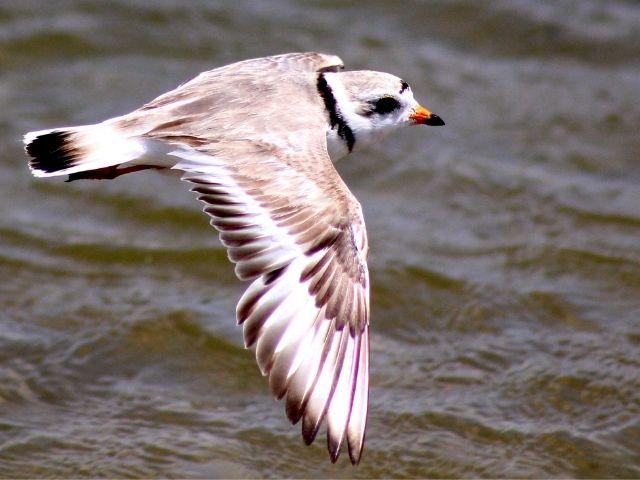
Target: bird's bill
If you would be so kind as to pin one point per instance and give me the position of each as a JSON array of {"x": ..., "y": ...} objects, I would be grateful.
[{"x": 422, "y": 116}]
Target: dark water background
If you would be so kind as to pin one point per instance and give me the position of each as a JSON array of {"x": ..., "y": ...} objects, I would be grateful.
[{"x": 505, "y": 247}]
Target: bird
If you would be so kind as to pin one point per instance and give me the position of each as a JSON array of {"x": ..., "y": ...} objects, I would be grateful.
[{"x": 257, "y": 140}]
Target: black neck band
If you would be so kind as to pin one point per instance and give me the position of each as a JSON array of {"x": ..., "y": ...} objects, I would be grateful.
[{"x": 335, "y": 117}]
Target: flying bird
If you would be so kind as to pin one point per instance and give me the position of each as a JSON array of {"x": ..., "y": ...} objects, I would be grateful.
[{"x": 257, "y": 140}]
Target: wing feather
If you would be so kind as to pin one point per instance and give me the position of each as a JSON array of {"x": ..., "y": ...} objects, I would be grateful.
[{"x": 300, "y": 239}]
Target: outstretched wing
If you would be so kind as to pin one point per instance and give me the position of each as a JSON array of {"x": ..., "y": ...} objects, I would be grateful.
[{"x": 295, "y": 230}]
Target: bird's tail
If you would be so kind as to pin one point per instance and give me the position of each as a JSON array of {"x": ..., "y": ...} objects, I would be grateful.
[{"x": 89, "y": 151}]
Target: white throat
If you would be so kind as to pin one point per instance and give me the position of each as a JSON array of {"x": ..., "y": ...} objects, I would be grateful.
[{"x": 336, "y": 146}]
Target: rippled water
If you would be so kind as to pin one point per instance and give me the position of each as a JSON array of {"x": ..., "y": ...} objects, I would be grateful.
[{"x": 505, "y": 247}]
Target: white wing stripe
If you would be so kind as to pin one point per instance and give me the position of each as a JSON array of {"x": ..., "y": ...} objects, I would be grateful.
[
  {"x": 290, "y": 357},
  {"x": 340, "y": 405},
  {"x": 299, "y": 325},
  {"x": 276, "y": 326},
  {"x": 325, "y": 385},
  {"x": 264, "y": 306},
  {"x": 358, "y": 415},
  {"x": 231, "y": 207},
  {"x": 304, "y": 379}
]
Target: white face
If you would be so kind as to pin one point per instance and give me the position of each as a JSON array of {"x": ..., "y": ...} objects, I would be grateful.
[
  {"x": 380, "y": 110},
  {"x": 385, "y": 109}
]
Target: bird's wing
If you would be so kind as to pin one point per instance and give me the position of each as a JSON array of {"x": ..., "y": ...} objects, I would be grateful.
[{"x": 294, "y": 229}]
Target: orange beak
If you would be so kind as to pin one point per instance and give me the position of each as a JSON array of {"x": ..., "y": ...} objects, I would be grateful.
[{"x": 422, "y": 116}]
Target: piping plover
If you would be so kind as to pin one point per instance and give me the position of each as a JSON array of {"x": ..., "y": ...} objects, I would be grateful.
[{"x": 256, "y": 139}]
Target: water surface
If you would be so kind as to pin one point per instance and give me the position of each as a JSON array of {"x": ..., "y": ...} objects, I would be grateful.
[{"x": 505, "y": 247}]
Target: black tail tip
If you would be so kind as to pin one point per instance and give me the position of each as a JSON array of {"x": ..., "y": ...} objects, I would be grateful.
[{"x": 52, "y": 152}]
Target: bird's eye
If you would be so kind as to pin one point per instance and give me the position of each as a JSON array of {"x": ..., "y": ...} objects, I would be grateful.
[{"x": 385, "y": 105}]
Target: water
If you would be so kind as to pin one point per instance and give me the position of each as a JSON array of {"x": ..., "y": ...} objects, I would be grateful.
[{"x": 505, "y": 247}]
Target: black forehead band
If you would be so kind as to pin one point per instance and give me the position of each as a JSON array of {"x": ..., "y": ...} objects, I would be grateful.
[{"x": 404, "y": 85}]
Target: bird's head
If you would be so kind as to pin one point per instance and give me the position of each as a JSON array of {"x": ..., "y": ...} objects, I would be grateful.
[{"x": 372, "y": 104}]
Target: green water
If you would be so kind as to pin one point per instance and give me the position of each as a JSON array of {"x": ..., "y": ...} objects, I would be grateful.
[{"x": 505, "y": 247}]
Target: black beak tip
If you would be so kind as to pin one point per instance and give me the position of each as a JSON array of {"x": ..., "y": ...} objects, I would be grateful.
[{"x": 434, "y": 121}]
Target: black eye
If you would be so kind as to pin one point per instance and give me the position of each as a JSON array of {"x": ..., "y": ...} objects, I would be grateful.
[{"x": 385, "y": 105}]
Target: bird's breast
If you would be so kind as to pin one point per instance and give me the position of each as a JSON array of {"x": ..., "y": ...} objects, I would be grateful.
[{"x": 336, "y": 145}]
